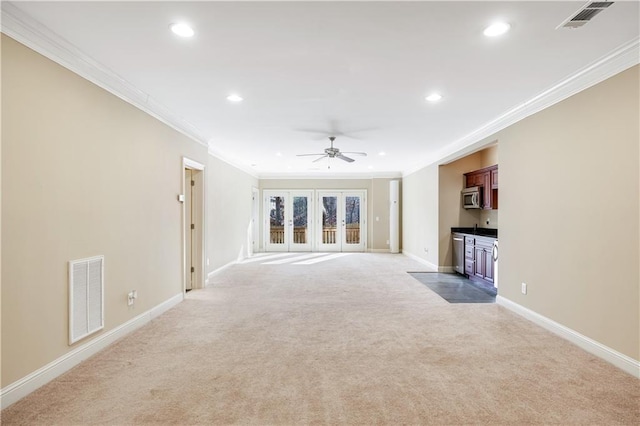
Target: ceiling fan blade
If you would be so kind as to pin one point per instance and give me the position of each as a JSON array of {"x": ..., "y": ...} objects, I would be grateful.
[
  {"x": 307, "y": 155},
  {"x": 347, "y": 159},
  {"x": 318, "y": 159},
  {"x": 364, "y": 154}
]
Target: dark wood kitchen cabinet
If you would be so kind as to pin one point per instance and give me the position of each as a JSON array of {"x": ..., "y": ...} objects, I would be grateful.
[
  {"x": 474, "y": 179},
  {"x": 487, "y": 179},
  {"x": 483, "y": 251},
  {"x": 478, "y": 257},
  {"x": 469, "y": 256},
  {"x": 494, "y": 178}
]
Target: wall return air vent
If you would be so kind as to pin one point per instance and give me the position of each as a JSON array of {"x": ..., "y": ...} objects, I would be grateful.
[
  {"x": 585, "y": 14},
  {"x": 86, "y": 297}
]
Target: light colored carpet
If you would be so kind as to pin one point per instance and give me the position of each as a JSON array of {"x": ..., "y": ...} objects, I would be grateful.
[{"x": 354, "y": 340}]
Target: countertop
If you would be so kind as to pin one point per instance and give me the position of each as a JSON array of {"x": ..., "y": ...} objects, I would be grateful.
[{"x": 482, "y": 232}]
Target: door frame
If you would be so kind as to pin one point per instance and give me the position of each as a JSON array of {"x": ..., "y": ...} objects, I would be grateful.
[
  {"x": 341, "y": 194},
  {"x": 254, "y": 244},
  {"x": 288, "y": 195},
  {"x": 200, "y": 224}
]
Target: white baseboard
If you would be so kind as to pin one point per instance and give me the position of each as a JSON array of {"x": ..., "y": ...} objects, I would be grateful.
[
  {"x": 379, "y": 251},
  {"x": 612, "y": 356},
  {"x": 421, "y": 260},
  {"x": 220, "y": 269},
  {"x": 21, "y": 388}
]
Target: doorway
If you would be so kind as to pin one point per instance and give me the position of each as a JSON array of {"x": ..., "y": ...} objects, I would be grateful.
[
  {"x": 288, "y": 220},
  {"x": 341, "y": 216},
  {"x": 193, "y": 224}
]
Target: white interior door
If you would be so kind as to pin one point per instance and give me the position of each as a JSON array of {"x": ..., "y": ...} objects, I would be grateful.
[
  {"x": 341, "y": 221},
  {"x": 288, "y": 220}
]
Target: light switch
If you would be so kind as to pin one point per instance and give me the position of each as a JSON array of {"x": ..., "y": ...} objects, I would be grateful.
[{"x": 181, "y": 198}]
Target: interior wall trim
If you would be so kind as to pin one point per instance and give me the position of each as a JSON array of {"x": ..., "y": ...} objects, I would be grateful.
[
  {"x": 378, "y": 250},
  {"x": 28, "y": 31},
  {"x": 612, "y": 356},
  {"x": 220, "y": 269},
  {"x": 618, "y": 60},
  {"x": 23, "y": 387},
  {"x": 434, "y": 268}
]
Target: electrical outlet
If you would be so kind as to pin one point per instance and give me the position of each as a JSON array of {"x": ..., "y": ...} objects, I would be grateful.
[
  {"x": 387, "y": 242},
  {"x": 426, "y": 250},
  {"x": 524, "y": 288},
  {"x": 131, "y": 297}
]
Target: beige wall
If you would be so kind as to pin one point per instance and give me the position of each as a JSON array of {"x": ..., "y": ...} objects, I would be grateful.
[
  {"x": 489, "y": 156},
  {"x": 569, "y": 186},
  {"x": 420, "y": 214},
  {"x": 377, "y": 202},
  {"x": 229, "y": 207},
  {"x": 85, "y": 174},
  {"x": 569, "y": 211}
]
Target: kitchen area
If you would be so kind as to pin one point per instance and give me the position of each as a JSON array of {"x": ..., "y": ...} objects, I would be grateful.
[{"x": 474, "y": 240}]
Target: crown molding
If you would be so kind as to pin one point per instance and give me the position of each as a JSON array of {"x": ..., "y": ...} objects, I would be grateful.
[
  {"x": 23, "y": 28},
  {"x": 28, "y": 31},
  {"x": 215, "y": 153},
  {"x": 618, "y": 60}
]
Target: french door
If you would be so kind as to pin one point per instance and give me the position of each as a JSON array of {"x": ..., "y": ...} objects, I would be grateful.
[
  {"x": 341, "y": 218},
  {"x": 288, "y": 220}
]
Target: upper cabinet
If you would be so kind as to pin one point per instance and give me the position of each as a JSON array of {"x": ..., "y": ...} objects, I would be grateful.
[{"x": 487, "y": 179}]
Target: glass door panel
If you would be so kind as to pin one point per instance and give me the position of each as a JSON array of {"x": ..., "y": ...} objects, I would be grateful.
[
  {"x": 301, "y": 220},
  {"x": 276, "y": 210},
  {"x": 329, "y": 238},
  {"x": 352, "y": 220},
  {"x": 352, "y": 204}
]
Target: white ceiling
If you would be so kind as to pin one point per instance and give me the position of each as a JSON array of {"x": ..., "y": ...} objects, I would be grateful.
[{"x": 358, "y": 70}]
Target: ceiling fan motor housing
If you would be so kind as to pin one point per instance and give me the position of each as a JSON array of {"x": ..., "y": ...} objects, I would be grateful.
[{"x": 331, "y": 152}]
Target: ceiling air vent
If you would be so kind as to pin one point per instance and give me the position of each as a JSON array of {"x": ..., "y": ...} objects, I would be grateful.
[{"x": 585, "y": 14}]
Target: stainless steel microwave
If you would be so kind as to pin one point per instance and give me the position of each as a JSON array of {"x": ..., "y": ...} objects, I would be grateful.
[{"x": 471, "y": 197}]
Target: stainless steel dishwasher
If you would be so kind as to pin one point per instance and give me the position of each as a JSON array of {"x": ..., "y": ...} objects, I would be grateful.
[{"x": 458, "y": 253}]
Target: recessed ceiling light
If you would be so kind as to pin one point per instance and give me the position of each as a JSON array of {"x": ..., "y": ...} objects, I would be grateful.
[
  {"x": 182, "y": 29},
  {"x": 234, "y": 98},
  {"x": 434, "y": 97},
  {"x": 496, "y": 29},
  {"x": 382, "y": 153},
  {"x": 278, "y": 154}
]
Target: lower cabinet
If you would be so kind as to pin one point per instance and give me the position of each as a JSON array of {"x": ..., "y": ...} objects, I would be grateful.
[
  {"x": 484, "y": 260},
  {"x": 478, "y": 258}
]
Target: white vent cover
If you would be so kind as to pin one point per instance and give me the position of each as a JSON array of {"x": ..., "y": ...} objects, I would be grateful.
[
  {"x": 86, "y": 301},
  {"x": 585, "y": 14}
]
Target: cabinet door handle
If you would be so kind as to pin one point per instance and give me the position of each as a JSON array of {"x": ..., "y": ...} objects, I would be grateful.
[{"x": 457, "y": 239}]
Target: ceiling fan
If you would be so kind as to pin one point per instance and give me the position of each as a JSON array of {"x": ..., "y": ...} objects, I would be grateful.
[{"x": 332, "y": 152}]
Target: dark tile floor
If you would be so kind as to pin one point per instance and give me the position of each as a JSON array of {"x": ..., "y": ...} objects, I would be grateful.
[{"x": 454, "y": 288}]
